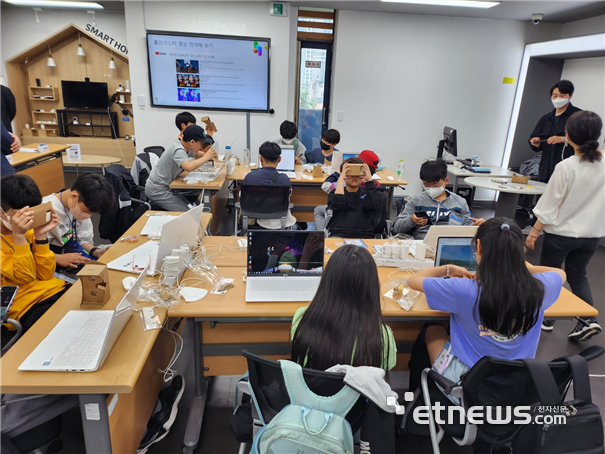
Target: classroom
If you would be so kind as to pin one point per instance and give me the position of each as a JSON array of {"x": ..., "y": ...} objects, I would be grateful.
[{"x": 319, "y": 226}]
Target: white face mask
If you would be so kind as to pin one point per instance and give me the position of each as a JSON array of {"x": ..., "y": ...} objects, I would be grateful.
[
  {"x": 559, "y": 102},
  {"x": 7, "y": 224},
  {"x": 288, "y": 141},
  {"x": 433, "y": 193}
]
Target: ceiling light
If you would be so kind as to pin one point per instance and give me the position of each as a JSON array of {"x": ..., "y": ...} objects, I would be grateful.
[
  {"x": 51, "y": 61},
  {"x": 55, "y": 4},
  {"x": 80, "y": 52},
  {"x": 459, "y": 3}
]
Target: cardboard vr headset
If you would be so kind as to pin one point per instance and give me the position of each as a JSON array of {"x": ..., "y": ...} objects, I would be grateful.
[
  {"x": 95, "y": 285},
  {"x": 355, "y": 170},
  {"x": 42, "y": 214}
]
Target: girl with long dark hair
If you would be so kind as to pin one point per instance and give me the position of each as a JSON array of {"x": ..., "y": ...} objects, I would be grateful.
[
  {"x": 344, "y": 324},
  {"x": 572, "y": 213},
  {"x": 496, "y": 312}
]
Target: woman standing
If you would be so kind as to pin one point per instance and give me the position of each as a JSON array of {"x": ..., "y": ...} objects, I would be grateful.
[{"x": 572, "y": 213}]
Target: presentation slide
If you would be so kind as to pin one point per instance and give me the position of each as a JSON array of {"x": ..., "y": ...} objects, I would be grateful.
[{"x": 209, "y": 72}]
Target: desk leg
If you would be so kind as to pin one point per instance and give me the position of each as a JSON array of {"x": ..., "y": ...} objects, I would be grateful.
[
  {"x": 95, "y": 423},
  {"x": 507, "y": 205},
  {"x": 455, "y": 191},
  {"x": 196, "y": 414}
]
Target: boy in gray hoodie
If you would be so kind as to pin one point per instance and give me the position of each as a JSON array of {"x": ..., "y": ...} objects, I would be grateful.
[{"x": 441, "y": 206}]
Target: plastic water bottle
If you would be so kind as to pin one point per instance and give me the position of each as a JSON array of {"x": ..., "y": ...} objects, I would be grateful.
[
  {"x": 475, "y": 161},
  {"x": 227, "y": 152},
  {"x": 246, "y": 157},
  {"x": 400, "y": 168}
]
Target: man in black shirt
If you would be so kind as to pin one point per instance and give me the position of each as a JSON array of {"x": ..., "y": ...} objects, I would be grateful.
[
  {"x": 353, "y": 207},
  {"x": 9, "y": 107},
  {"x": 549, "y": 134}
]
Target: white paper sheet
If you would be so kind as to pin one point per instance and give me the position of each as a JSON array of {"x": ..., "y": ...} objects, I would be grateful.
[{"x": 136, "y": 260}]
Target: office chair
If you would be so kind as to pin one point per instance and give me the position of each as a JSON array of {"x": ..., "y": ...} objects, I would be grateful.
[
  {"x": 266, "y": 381},
  {"x": 491, "y": 382},
  {"x": 8, "y": 337},
  {"x": 380, "y": 221},
  {"x": 263, "y": 202},
  {"x": 155, "y": 149}
]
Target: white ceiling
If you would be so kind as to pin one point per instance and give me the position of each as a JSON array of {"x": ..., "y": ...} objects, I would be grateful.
[{"x": 554, "y": 11}]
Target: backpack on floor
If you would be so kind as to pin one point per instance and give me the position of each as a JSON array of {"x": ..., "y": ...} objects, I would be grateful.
[{"x": 311, "y": 423}]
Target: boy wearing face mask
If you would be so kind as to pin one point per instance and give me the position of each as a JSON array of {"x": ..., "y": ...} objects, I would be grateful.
[
  {"x": 438, "y": 203},
  {"x": 288, "y": 131},
  {"x": 72, "y": 240},
  {"x": 27, "y": 261},
  {"x": 549, "y": 134},
  {"x": 325, "y": 151}
]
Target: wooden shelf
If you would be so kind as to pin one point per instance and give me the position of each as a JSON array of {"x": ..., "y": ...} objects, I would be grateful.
[{"x": 44, "y": 91}]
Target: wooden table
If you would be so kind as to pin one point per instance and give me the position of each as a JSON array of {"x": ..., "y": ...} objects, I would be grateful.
[
  {"x": 224, "y": 324},
  {"x": 307, "y": 193},
  {"x": 93, "y": 160},
  {"x": 509, "y": 192},
  {"x": 45, "y": 168},
  {"x": 128, "y": 376},
  {"x": 215, "y": 194}
]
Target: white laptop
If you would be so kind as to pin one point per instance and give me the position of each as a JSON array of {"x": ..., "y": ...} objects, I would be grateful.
[
  {"x": 287, "y": 165},
  {"x": 437, "y": 231},
  {"x": 82, "y": 339},
  {"x": 184, "y": 229},
  {"x": 456, "y": 251},
  {"x": 275, "y": 272}
]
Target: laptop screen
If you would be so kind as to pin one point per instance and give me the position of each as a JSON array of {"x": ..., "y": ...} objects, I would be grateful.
[
  {"x": 456, "y": 251},
  {"x": 292, "y": 252},
  {"x": 349, "y": 155},
  {"x": 287, "y": 163}
]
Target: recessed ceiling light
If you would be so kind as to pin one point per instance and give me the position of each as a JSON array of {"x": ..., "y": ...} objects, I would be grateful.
[
  {"x": 458, "y": 3},
  {"x": 55, "y": 4}
]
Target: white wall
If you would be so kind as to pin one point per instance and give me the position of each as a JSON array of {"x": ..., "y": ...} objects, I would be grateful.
[
  {"x": 399, "y": 79},
  {"x": 588, "y": 77},
  {"x": 155, "y": 126},
  {"x": 19, "y": 29},
  {"x": 590, "y": 26}
]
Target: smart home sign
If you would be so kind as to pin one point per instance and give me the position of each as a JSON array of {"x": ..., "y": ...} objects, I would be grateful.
[{"x": 106, "y": 38}]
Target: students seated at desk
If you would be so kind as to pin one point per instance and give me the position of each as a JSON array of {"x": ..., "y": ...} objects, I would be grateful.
[
  {"x": 183, "y": 154},
  {"x": 353, "y": 207},
  {"x": 442, "y": 206},
  {"x": 27, "y": 261},
  {"x": 489, "y": 315},
  {"x": 344, "y": 323},
  {"x": 270, "y": 155},
  {"x": 324, "y": 152},
  {"x": 72, "y": 240},
  {"x": 288, "y": 131},
  {"x": 370, "y": 158}
]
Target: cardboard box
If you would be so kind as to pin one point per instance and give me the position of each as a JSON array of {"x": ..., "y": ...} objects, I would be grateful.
[
  {"x": 317, "y": 173},
  {"x": 42, "y": 214},
  {"x": 355, "y": 170},
  {"x": 520, "y": 178},
  {"x": 95, "y": 285}
]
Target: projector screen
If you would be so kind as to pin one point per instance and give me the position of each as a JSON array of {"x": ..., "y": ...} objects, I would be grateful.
[{"x": 208, "y": 71}]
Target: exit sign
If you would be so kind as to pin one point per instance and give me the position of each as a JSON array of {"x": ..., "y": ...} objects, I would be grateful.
[
  {"x": 278, "y": 9},
  {"x": 312, "y": 64}
]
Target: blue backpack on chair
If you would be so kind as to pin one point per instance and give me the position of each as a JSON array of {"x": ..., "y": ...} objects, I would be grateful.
[{"x": 311, "y": 424}]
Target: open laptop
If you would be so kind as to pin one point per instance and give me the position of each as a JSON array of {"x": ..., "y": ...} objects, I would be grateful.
[
  {"x": 437, "y": 231},
  {"x": 287, "y": 165},
  {"x": 184, "y": 229},
  {"x": 339, "y": 156},
  {"x": 82, "y": 339},
  {"x": 456, "y": 251},
  {"x": 283, "y": 265}
]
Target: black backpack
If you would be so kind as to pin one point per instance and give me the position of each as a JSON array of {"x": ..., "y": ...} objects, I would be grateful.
[{"x": 573, "y": 427}]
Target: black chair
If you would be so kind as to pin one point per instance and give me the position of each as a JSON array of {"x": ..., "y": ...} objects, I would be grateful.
[
  {"x": 491, "y": 382},
  {"x": 10, "y": 337},
  {"x": 155, "y": 149},
  {"x": 380, "y": 219},
  {"x": 263, "y": 202},
  {"x": 266, "y": 380}
]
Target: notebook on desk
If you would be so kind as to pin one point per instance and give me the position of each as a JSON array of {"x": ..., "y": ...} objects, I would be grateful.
[
  {"x": 82, "y": 339},
  {"x": 283, "y": 265}
]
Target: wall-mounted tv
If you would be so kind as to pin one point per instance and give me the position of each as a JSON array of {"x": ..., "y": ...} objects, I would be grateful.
[
  {"x": 208, "y": 71},
  {"x": 91, "y": 95}
]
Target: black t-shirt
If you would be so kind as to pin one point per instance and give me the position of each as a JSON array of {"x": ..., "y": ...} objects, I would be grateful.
[{"x": 354, "y": 212}]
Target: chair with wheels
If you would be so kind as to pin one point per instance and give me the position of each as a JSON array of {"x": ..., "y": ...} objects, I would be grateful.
[
  {"x": 263, "y": 202},
  {"x": 267, "y": 387},
  {"x": 490, "y": 383},
  {"x": 9, "y": 337}
]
